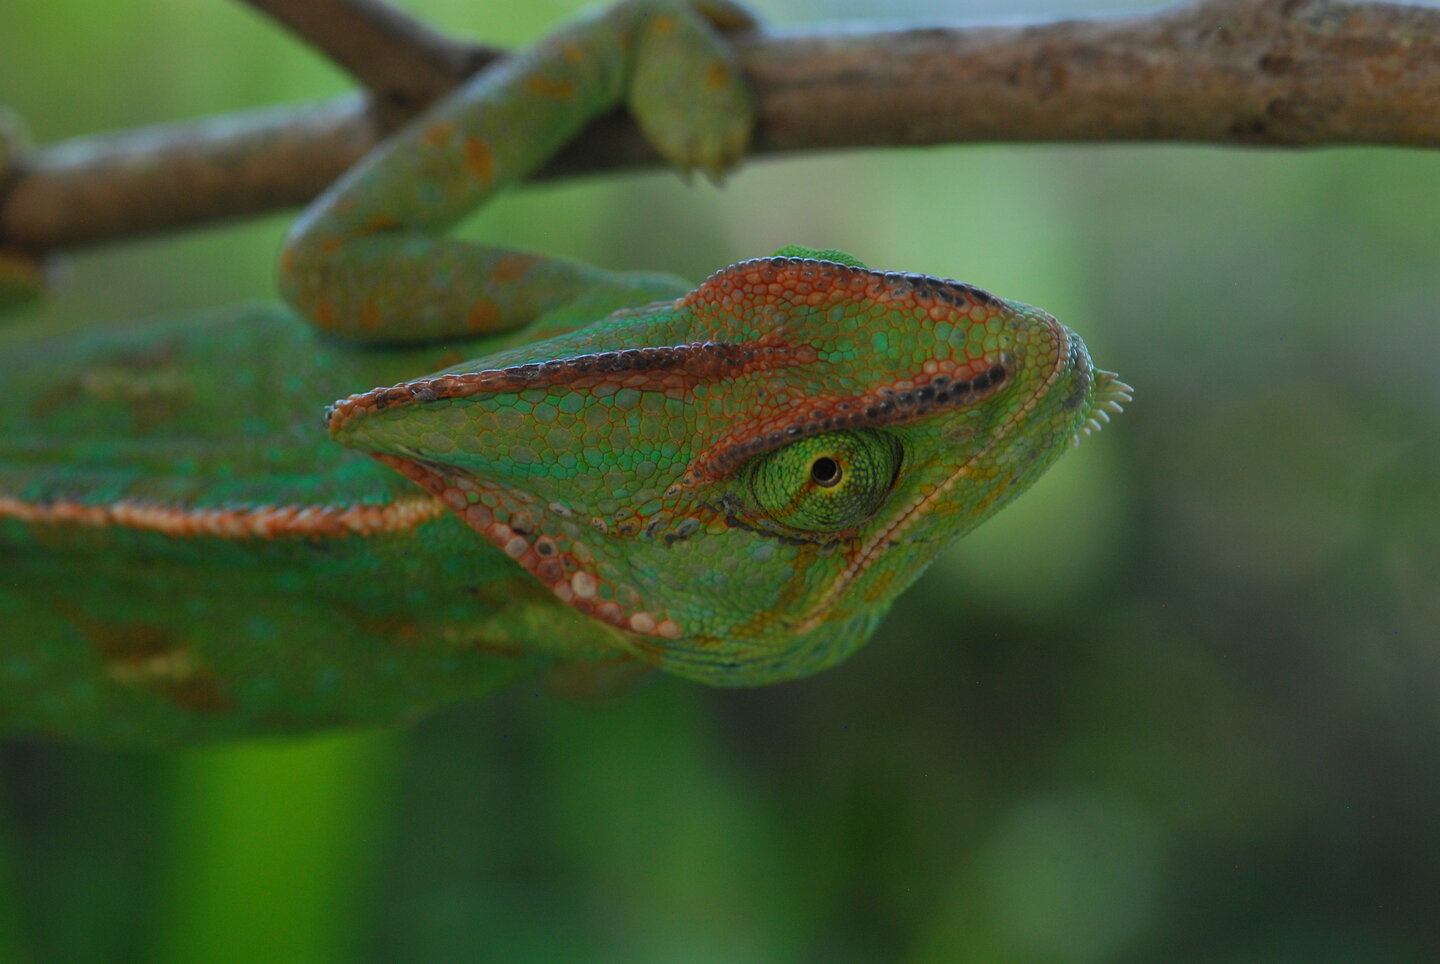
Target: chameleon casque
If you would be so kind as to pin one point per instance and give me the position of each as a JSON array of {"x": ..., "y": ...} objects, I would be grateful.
[{"x": 731, "y": 483}]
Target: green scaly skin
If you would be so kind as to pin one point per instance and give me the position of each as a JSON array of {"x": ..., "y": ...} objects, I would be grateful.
[{"x": 731, "y": 483}]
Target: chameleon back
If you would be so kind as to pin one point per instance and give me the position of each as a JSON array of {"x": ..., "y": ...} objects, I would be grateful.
[{"x": 185, "y": 556}]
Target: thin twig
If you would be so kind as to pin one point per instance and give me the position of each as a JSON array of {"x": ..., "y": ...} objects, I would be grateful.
[
  {"x": 1274, "y": 72},
  {"x": 401, "y": 61}
]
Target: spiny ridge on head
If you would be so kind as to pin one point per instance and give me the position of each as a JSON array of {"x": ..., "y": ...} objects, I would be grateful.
[
  {"x": 808, "y": 274},
  {"x": 665, "y": 367}
]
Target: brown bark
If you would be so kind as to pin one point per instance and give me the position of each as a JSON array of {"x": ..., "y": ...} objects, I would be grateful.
[
  {"x": 399, "y": 60},
  {"x": 1274, "y": 72}
]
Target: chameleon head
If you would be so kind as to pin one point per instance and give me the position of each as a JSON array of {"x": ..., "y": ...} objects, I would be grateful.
[{"x": 743, "y": 480}]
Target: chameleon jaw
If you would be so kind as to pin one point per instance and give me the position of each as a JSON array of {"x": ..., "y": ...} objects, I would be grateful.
[
  {"x": 562, "y": 566},
  {"x": 886, "y": 537}
]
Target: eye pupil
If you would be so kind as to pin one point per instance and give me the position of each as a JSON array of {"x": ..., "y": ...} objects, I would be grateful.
[{"x": 825, "y": 471}]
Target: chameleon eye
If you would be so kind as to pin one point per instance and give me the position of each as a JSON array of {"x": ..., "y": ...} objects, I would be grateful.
[{"x": 828, "y": 482}]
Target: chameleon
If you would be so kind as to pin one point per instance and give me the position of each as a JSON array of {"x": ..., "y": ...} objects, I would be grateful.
[{"x": 564, "y": 470}]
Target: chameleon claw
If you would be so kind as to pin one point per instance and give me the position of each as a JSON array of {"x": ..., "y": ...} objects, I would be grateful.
[
  {"x": 686, "y": 91},
  {"x": 717, "y": 172}
]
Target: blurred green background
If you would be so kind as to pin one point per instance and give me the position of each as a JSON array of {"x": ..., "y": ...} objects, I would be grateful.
[{"x": 1178, "y": 704}]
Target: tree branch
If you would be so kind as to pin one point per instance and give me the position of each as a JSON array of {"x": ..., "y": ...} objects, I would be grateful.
[
  {"x": 1274, "y": 72},
  {"x": 402, "y": 62}
]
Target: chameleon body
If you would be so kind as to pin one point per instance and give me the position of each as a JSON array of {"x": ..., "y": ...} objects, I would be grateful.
[{"x": 731, "y": 482}]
